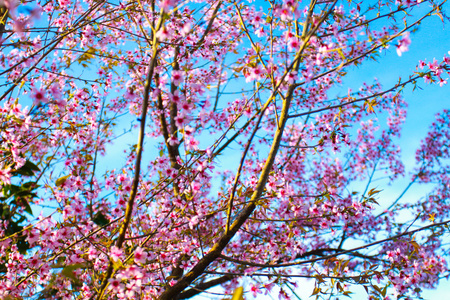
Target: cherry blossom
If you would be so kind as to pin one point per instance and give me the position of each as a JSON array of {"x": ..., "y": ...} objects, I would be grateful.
[
  {"x": 156, "y": 150},
  {"x": 403, "y": 44}
]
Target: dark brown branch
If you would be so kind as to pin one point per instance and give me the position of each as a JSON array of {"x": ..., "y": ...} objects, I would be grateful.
[
  {"x": 3, "y": 19},
  {"x": 223, "y": 241},
  {"x": 201, "y": 287},
  {"x": 355, "y": 278},
  {"x": 208, "y": 28},
  {"x": 278, "y": 264},
  {"x": 350, "y": 251}
]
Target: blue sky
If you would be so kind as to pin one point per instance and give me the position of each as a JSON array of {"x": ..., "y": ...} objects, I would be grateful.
[{"x": 429, "y": 42}]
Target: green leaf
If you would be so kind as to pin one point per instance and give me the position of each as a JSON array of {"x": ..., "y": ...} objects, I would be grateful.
[
  {"x": 25, "y": 193},
  {"x": 32, "y": 166},
  {"x": 31, "y": 185},
  {"x": 373, "y": 192},
  {"x": 319, "y": 279},
  {"x": 27, "y": 207},
  {"x": 13, "y": 227},
  {"x": 377, "y": 289},
  {"x": 24, "y": 171},
  {"x": 5, "y": 211},
  {"x": 100, "y": 219},
  {"x": 60, "y": 181},
  {"x": 22, "y": 245},
  {"x": 27, "y": 169},
  {"x": 68, "y": 271}
]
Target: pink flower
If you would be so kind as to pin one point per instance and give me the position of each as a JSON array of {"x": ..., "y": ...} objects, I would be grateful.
[
  {"x": 38, "y": 96},
  {"x": 403, "y": 44},
  {"x": 196, "y": 186},
  {"x": 170, "y": 172},
  {"x": 260, "y": 32},
  {"x": 115, "y": 285},
  {"x": 191, "y": 144},
  {"x": 177, "y": 77},
  {"x": 166, "y": 4},
  {"x": 173, "y": 141},
  {"x": 115, "y": 253},
  {"x": 163, "y": 34},
  {"x": 188, "y": 130},
  {"x": 291, "y": 77},
  {"x": 187, "y": 106},
  {"x": 140, "y": 256},
  {"x": 61, "y": 103},
  {"x": 55, "y": 91},
  {"x": 293, "y": 44},
  {"x": 5, "y": 175},
  {"x": 180, "y": 120},
  {"x": 186, "y": 29},
  {"x": 121, "y": 178},
  {"x": 255, "y": 74},
  {"x": 33, "y": 237},
  {"x": 285, "y": 14},
  {"x": 177, "y": 97},
  {"x": 255, "y": 290},
  {"x": 422, "y": 64},
  {"x": 193, "y": 222},
  {"x": 434, "y": 65},
  {"x": 11, "y": 5},
  {"x": 209, "y": 152},
  {"x": 34, "y": 262}
]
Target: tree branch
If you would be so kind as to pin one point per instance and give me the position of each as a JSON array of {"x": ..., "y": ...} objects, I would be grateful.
[{"x": 204, "y": 286}]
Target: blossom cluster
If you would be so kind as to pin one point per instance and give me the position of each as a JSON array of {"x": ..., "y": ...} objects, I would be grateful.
[{"x": 141, "y": 142}]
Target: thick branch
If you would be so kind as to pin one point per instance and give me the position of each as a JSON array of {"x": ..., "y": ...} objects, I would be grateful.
[{"x": 223, "y": 241}]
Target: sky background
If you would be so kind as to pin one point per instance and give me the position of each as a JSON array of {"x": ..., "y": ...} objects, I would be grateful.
[{"x": 429, "y": 42}]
